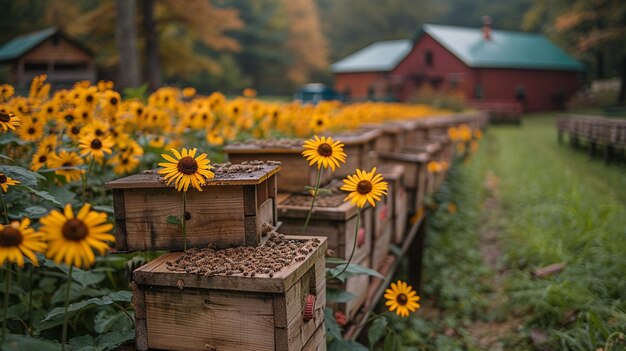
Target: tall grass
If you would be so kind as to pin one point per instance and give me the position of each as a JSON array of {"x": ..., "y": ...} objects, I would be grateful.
[{"x": 561, "y": 206}]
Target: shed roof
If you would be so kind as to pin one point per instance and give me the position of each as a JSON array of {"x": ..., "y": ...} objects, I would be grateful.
[
  {"x": 18, "y": 46},
  {"x": 381, "y": 56},
  {"x": 506, "y": 49}
]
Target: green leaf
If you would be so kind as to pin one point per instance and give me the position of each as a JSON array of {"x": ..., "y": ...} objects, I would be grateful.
[
  {"x": 34, "y": 212},
  {"x": 339, "y": 296},
  {"x": 26, "y": 177},
  {"x": 107, "y": 209},
  {"x": 391, "y": 342},
  {"x": 24, "y": 343},
  {"x": 335, "y": 260},
  {"x": 173, "y": 220},
  {"x": 42, "y": 194},
  {"x": 332, "y": 328},
  {"x": 352, "y": 270},
  {"x": 83, "y": 277},
  {"x": 377, "y": 330},
  {"x": 110, "y": 319},
  {"x": 55, "y": 317},
  {"x": 62, "y": 194},
  {"x": 8, "y": 138},
  {"x": 77, "y": 292},
  {"x": 104, "y": 342}
]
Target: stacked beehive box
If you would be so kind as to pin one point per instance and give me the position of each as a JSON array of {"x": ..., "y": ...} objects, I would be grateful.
[{"x": 242, "y": 286}]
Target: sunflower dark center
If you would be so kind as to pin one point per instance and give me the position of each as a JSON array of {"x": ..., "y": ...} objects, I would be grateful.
[
  {"x": 89, "y": 98},
  {"x": 325, "y": 150},
  {"x": 96, "y": 144},
  {"x": 31, "y": 130},
  {"x": 402, "y": 299},
  {"x": 5, "y": 117},
  {"x": 75, "y": 130},
  {"x": 67, "y": 164},
  {"x": 320, "y": 122},
  {"x": 42, "y": 158},
  {"x": 69, "y": 118},
  {"x": 124, "y": 161},
  {"x": 187, "y": 165},
  {"x": 113, "y": 101},
  {"x": 99, "y": 132},
  {"x": 50, "y": 110},
  {"x": 74, "y": 230},
  {"x": 10, "y": 236},
  {"x": 364, "y": 187},
  {"x": 3, "y": 178}
]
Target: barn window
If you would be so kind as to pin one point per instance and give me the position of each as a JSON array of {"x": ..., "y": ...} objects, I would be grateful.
[
  {"x": 35, "y": 67},
  {"x": 428, "y": 58},
  {"x": 70, "y": 66},
  {"x": 479, "y": 93}
]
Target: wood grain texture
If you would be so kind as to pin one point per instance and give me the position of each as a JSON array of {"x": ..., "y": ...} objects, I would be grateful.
[
  {"x": 64, "y": 52},
  {"x": 217, "y": 217},
  {"x": 120, "y": 220},
  {"x": 357, "y": 285},
  {"x": 380, "y": 246},
  {"x": 191, "y": 319},
  {"x": 155, "y": 273},
  {"x": 317, "y": 342}
]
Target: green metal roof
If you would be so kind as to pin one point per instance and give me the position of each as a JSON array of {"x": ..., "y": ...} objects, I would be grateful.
[
  {"x": 18, "y": 46},
  {"x": 382, "y": 56},
  {"x": 505, "y": 49}
]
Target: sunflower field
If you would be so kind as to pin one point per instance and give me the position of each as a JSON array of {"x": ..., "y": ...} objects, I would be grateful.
[{"x": 57, "y": 149}]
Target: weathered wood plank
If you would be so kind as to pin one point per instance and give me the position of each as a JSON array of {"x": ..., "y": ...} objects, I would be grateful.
[
  {"x": 317, "y": 342},
  {"x": 216, "y": 217},
  {"x": 224, "y": 320},
  {"x": 120, "y": 220}
]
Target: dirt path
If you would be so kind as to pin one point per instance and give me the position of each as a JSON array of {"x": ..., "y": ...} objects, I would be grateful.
[{"x": 488, "y": 334}]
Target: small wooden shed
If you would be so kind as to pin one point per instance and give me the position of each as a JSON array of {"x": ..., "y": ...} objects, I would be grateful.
[{"x": 49, "y": 51}]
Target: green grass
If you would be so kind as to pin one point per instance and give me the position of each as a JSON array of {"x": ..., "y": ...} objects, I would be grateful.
[
  {"x": 555, "y": 205},
  {"x": 562, "y": 206}
]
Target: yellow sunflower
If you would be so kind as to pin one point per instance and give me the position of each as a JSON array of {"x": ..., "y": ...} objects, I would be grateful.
[
  {"x": 186, "y": 169},
  {"x": 8, "y": 121},
  {"x": 30, "y": 131},
  {"x": 189, "y": 92},
  {"x": 319, "y": 122},
  {"x": 402, "y": 299},
  {"x": 72, "y": 239},
  {"x": 365, "y": 187},
  {"x": 124, "y": 163},
  {"x": 39, "y": 160},
  {"x": 324, "y": 151},
  {"x": 5, "y": 181},
  {"x": 18, "y": 240},
  {"x": 96, "y": 146},
  {"x": 67, "y": 159}
]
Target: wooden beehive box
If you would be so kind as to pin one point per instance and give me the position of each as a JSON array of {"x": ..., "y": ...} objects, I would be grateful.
[
  {"x": 394, "y": 175},
  {"x": 333, "y": 218},
  {"x": 228, "y": 212},
  {"x": 295, "y": 173},
  {"x": 415, "y": 174},
  {"x": 176, "y": 310},
  {"x": 391, "y": 137},
  {"x": 359, "y": 147}
]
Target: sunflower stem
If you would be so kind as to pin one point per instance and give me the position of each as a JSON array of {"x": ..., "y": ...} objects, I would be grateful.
[
  {"x": 5, "y": 305},
  {"x": 317, "y": 188},
  {"x": 30, "y": 295},
  {"x": 67, "y": 302},
  {"x": 4, "y": 207},
  {"x": 356, "y": 234},
  {"x": 86, "y": 177},
  {"x": 184, "y": 220}
]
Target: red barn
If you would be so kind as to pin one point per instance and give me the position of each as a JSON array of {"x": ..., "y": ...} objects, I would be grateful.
[{"x": 487, "y": 67}]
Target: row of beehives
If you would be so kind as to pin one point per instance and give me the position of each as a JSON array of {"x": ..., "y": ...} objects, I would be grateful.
[
  {"x": 263, "y": 307},
  {"x": 610, "y": 132}
]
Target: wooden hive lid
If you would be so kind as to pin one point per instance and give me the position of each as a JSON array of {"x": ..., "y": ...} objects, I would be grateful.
[
  {"x": 360, "y": 136},
  {"x": 391, "y": 171},
  {"x": 387, "y": 127},
  {"x": 279, "y": 146},
  {"x": 150, "y": 179},
  {"x": 157, "y": 273},
  {"x": 421, "y": 157}
]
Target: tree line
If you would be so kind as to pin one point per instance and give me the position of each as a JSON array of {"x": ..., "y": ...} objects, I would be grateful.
[{"x": 274, "y": 46}]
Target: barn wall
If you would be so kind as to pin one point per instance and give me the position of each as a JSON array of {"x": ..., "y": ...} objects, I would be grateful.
[
  {"x": 450, "y": 72},
  {"x": 543, "y": 89},
  {"x": 359, "y": 83}
]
